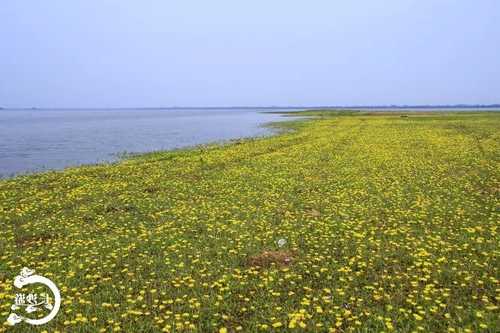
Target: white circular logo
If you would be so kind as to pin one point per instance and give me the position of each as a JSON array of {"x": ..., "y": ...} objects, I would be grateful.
[{"x": 32, "y": 301}]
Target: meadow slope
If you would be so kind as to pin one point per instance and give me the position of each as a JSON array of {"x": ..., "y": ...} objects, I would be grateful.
[{"x": 390, "y": 223}]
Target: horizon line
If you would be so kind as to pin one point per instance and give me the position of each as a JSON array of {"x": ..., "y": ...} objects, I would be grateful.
[{"x": 390, "y": 106}]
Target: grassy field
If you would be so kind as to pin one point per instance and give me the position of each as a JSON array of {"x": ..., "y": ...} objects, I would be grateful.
[{"x": 387, "y": 222}]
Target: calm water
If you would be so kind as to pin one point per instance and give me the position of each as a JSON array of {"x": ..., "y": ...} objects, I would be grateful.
[{"x": 36, "y": 140}]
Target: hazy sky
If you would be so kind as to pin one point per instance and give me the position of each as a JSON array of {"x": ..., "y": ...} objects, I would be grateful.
[{"x": 125, "y": 53}]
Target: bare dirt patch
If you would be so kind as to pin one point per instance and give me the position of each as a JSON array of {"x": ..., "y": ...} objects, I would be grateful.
[
  {"x": 268, "y": 258},
  {"x": 30, "y": 240}
]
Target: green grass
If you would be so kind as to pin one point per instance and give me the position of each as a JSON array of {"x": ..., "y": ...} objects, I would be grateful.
[{"x": 390, "y": 221}]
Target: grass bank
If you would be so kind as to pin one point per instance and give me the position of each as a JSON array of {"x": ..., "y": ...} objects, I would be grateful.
[{"x": 389, "y": 222}]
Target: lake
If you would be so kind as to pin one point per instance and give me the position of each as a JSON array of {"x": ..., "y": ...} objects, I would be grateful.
[{"x": 37, "y": 140}]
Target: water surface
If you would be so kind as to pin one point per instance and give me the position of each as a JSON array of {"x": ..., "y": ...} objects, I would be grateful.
[{"x": 36, "y": 140}]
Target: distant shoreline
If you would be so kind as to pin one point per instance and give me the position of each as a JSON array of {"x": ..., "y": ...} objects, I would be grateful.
[{"x": 362, "y": 107}]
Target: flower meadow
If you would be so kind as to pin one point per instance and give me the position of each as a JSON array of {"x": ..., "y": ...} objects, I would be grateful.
[{"x": 347, "y": 222}]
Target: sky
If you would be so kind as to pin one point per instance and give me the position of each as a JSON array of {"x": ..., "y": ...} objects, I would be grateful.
[{"x": 153, "y": 53}]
